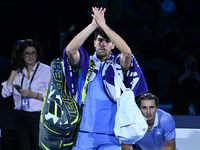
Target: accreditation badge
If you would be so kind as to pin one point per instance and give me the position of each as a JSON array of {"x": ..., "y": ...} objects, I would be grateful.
[{"x": 25, "y": 103}]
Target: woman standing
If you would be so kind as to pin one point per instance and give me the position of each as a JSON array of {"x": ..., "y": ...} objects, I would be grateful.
[{"x": 27, "y": 83}]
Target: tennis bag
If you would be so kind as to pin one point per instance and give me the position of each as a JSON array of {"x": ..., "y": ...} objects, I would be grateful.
[{"x": 60, "y": 113}]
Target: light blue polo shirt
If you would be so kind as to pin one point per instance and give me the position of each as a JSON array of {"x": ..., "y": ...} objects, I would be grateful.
[
  {"x": 99, "y": 111},
  {"x": 163, "y": 129}
]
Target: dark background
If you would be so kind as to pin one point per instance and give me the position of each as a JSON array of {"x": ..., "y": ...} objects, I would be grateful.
[
  {"x": 161, "y": 34},
  {"x": 160, "y": 37}
]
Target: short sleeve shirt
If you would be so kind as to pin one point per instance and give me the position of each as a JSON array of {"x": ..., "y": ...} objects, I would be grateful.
[{"x": 162, "y": 131}]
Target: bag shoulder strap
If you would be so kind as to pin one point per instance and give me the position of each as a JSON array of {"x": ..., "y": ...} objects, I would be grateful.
[
  {"x": 90, "y": 70},
  {"x": 119, "y": 80}
]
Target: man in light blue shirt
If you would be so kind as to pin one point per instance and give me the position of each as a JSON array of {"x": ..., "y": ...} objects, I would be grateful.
[
  {"x": 98, "y": 114},
  {"x": 161, "y": 127}
]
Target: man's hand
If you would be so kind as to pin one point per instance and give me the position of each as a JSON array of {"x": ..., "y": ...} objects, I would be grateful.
[
  {"x": 98, "y": 16},
  {"x": 126, "y": 146},
  {"x": 94, "y": 23}
]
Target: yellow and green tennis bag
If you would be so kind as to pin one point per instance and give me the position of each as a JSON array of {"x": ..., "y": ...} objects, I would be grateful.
[{"x": 60, "y": 113}]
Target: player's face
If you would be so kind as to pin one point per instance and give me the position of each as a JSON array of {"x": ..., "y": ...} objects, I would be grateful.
[
  {"x": 148, "y": 109},
  {"x": 103, "y": 47}
]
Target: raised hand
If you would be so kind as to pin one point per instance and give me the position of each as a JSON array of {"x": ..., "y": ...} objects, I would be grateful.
[
  {"x": 94, "y": 23},
  {"x": 98, "y": 16}
]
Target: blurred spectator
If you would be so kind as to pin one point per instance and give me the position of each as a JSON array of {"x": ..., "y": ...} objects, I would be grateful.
[
  {"x": 157, "y": 69},
  {"x": 188, "y": 88}
]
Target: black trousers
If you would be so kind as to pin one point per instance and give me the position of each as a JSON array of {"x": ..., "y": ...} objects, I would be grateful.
[
  {"x": 8, "y": 140},
  {"x": 27, "y": 130}
]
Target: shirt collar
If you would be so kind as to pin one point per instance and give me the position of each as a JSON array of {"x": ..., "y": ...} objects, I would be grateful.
[
  {"x": 95, "y": 58},
  {"x": 35, "y": 65},
  {"x": 156, "y": 121},
  {"x": 25, "y": 70}
]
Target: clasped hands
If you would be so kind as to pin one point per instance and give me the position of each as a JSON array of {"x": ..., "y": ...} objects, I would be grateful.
[{"x": 98, "y": 16}]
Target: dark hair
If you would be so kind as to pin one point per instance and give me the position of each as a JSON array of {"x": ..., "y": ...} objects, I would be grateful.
[
  {"x": 16, "y": 57},
  {"x": 100, "y": 32},
  {"x": 147, "y": 96}
]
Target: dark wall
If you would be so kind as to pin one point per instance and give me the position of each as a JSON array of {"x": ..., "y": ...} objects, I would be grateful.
[
  {"x": 160, "y": 40},
  {"x": 22, "y": 19}
]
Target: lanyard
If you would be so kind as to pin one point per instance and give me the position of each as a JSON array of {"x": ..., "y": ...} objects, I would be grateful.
[{"x": 29, "y": 87}]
